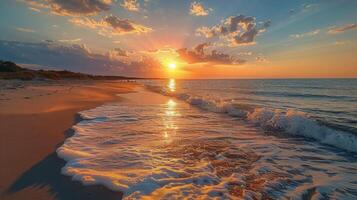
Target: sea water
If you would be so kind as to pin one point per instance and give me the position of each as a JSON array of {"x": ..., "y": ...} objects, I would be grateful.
[{"x": 222, "y": 139}]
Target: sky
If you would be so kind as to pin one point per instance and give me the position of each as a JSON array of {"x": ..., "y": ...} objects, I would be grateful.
[{"x": 183, "y": 38}]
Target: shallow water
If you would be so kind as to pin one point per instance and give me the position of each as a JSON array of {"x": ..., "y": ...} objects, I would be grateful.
[{"x": 159, "y": 147}]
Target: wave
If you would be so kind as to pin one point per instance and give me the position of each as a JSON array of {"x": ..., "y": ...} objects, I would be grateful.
[
  {"x": 289, "y": 121},
  {"x": 136, "y": 160},
  {"x": 299, "y": 95}
]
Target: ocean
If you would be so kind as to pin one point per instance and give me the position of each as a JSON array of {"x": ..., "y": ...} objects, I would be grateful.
[{"x": 222, "y": 139}]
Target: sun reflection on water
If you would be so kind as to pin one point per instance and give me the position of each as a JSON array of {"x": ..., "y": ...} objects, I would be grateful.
[
  {"x": 171, "y": 103},
  {"x": 166, "y": 135},
  {"x": 169, "y": 120},
  {"x": 171, "y": 85}
]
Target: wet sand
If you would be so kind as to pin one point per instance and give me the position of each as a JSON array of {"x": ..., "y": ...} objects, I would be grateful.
[{"x": 35, "y": 118}]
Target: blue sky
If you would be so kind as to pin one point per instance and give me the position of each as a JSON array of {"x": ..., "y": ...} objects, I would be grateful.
[{"x": 271, "y": 38}]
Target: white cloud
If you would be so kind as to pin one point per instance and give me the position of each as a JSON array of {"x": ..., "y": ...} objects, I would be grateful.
[
  {"x": 34, "y": 9},
  {"x": 71, "y": 40},
  {"x": 26, "y": 30},
  {"x": 302, "y": 35},
  {"x": 341, "y": 42}
]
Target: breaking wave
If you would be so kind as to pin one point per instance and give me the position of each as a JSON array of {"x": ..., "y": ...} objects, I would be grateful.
[
  {"x": 288, "y": 121},
  {"x": 168, "y": 150}
]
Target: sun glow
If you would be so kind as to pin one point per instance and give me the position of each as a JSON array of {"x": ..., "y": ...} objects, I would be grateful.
[
  {"x": 172, "y": 68},
  {"x": 172, "y": 65}
]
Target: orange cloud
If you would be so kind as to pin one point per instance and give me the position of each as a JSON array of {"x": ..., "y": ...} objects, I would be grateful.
[
  {"x": 131, "y": 5},
  {"x": 198, "y": 9},
  {"x": 341, "y": 29}
]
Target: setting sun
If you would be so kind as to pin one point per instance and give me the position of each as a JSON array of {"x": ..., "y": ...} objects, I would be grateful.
[
  {"x": 180, "y": 99},
  {"x": 172, "y": 65}
]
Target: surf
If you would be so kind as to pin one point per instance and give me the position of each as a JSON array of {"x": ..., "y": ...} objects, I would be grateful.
[{"x": 290, "y": 121}]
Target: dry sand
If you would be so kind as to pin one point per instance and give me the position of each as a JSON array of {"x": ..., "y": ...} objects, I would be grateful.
[{"x": 35, "y": 118}]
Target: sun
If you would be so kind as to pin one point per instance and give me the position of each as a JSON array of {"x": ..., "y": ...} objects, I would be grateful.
[{"x": 172, "y": 65}]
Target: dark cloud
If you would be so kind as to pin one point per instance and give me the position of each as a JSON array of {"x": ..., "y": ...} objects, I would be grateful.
[
  {"x": 79, "y": 9},
  {"x": 198, "y": 55},
  {"x": 111, "y": 25},
  {"x": 261, "y": 58},
  {"x": 341, "y": 29},
  {"x": 72, "y": 7},
  {"x": 199, "y": 49},
  {"x": 121, "y": 52},
  {"x": 121, "y": 26},
  {"x": 76, "y": 58},
  {"x": 237, "y": 30}
]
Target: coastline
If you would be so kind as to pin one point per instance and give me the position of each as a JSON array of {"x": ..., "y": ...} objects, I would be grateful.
[{"x": 35, "y": 119}]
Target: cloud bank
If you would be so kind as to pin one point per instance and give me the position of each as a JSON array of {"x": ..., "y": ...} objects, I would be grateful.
[
  {"x": 199, "y": 55},
  {"x": 78, "y": 58},
  {"x": 79, "y": 10},
  {"x": 236, "y": 30},
  {"x": 111, "y": 25}
]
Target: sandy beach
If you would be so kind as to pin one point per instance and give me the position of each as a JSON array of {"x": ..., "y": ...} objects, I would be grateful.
[
  {"x": 163, "y": 141},
  {"x": 178, "y": 100},
  {"x": 35, "y": 118}
]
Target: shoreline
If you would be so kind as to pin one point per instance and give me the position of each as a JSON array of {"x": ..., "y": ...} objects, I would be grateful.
[{"x": 35, "y": 119}]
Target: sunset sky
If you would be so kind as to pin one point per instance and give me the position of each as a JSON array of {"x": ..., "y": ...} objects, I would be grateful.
[{"x": 183, "y": 38}]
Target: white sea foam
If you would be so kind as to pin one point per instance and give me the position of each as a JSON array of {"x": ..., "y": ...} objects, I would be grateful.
[
  {"x": 174, "y": 151},
  {"x": 287, "y": 121},
  {"x": 148, "y": 157}
]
